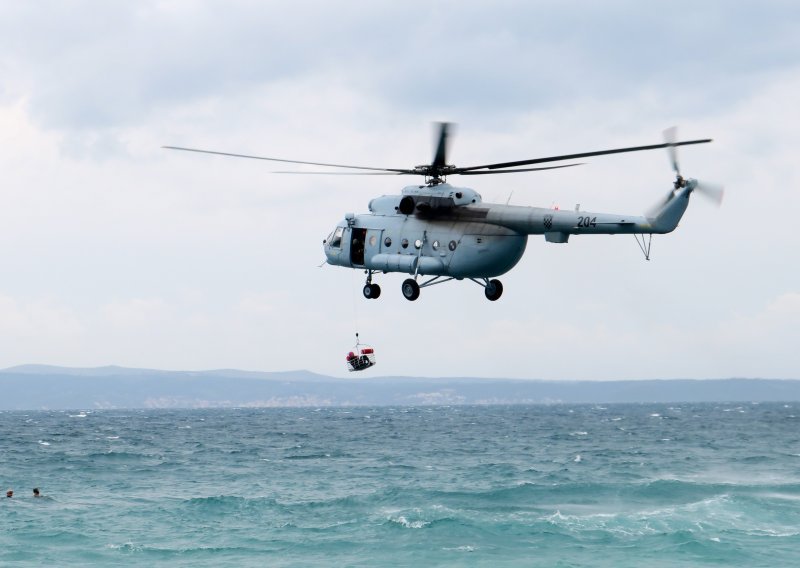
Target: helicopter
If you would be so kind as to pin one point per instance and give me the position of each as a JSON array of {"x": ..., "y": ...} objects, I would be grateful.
[{"x": 436, "y": 232}]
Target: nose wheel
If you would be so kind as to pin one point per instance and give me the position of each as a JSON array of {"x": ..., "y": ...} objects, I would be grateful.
[{"x": 371, "y": 291}]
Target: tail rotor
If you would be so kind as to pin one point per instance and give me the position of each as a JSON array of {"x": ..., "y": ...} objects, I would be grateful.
[{"x": 712, "y": 192}]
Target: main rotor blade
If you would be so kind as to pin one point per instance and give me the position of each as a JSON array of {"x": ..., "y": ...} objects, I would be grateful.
[
  {"x": 440, "y": 157},
  {"x": 395, "y": 170},
  {"x": 477, "y": 173},
  {"x": 343, "y": 173},
  {"x": 575, "y": 156}
]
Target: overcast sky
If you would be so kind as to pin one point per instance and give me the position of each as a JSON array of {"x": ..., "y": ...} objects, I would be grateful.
[{"x": 115, "y": 251}]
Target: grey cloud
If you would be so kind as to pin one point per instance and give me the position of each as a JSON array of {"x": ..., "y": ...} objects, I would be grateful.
[{"x": 96, "y": 64}]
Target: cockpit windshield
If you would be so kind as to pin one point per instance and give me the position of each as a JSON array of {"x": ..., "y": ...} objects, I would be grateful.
[{"x": 335, "y": 238}]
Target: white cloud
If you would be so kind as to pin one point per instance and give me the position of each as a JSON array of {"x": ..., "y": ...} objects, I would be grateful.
[{"x": 161, "y": 259}]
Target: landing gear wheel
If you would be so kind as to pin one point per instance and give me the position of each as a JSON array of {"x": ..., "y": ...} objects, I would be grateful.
[
  {"x": 410, "y": 289},
  {"x": 493, "y": 290},
  {"x": 371, "y": 291}
]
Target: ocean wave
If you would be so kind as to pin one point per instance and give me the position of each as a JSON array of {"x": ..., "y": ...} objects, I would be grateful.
[
  {"x": 691, "y": 518},
  {"x": 167, "y": 552},
  {"x": 636, "y": 492},
  {"x": 498, "y": 484},
  {"x": 402, "y": 521},
  {"x": 318, "y": 456},
  {"x": 724, "y": 515},
  {"x": 421, "y": 518},
  {"x": 118, "y": 455},
  {"x": 463, "y": 548},
  {"x": 126, "y": 547},
  {"x": 215, "y": 505}
]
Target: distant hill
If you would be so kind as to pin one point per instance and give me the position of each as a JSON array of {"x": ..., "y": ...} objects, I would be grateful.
[{"x": 31, "y": 387}]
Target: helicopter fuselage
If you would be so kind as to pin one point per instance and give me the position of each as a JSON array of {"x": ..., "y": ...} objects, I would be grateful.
[
  {"x": 399, "y": 243},
  {"x": 444, "y": 231}
]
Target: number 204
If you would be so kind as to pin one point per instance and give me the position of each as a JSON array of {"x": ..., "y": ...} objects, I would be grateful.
[{"x": 587, "y": 221}]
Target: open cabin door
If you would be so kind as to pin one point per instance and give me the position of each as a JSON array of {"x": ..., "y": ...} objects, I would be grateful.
[
  {"x": 364, "y": 243},
  {"x": 358, "y": 240}
]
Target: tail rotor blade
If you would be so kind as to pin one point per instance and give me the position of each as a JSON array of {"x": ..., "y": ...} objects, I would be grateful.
[
  {"x": 670, "y": 137},
  {"x": 656, "y": 209},
  {"x": 711, "y": 191}
]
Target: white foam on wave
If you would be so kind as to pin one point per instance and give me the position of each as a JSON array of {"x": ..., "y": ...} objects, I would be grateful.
[
  {"x": 415, "y": 517},
  {"x": 693, "y": 510},
  {"x": 579, "y": 433},
  {"x": 463, "y": 548},
  {"x": 782, "y": 496},
  {"x": 43, "y": 443},
  {"x": 772, "y": 532},
  {"x": 693, "y": 517},
  {"x": 126, "y": 546},
  {"x": 613, "y": 523},
  {"x": 577, "y": 458},
  {"x": 402, "y": 520}
]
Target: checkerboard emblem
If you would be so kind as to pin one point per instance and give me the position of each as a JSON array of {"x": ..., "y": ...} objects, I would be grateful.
[{"x": 548, "y": 221}]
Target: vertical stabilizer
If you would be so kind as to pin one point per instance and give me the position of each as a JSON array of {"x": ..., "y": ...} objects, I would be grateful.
[{"x": 665, "y": 218}]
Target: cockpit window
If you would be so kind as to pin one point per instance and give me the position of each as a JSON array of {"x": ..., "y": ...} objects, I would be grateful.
[{"x": 335, "y": 240}]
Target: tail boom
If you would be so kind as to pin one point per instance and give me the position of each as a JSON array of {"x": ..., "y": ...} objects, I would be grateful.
[{"x": 557, "y": 225}]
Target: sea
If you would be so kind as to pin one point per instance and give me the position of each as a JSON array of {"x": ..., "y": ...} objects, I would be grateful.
[{"x": 538, "y": 485}]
